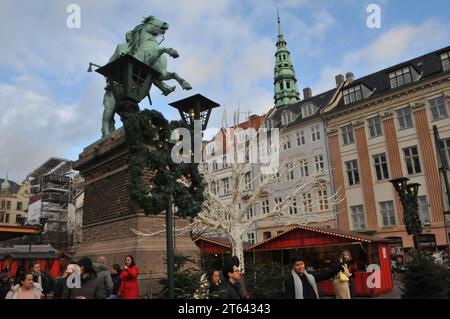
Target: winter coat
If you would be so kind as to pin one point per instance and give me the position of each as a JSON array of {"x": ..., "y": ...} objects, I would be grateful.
[
  {"x": 104, "y": 276},
  {"x": 116, "y": 283},
  {"x": 45, "y": 281},
  {"x": 229, "y": 291},
  {"x": 91, "y": 288},
  {"x": 129, "y": 288},
  {"x": 290, "y": 282},
  {"x": 60, "y": 282},
  {"x": 342, "y": 288},
  {"x": 5, "y": 288},
  {"x": 14, "y": 292}
]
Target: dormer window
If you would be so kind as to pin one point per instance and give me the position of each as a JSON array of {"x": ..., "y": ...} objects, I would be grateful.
[
  {"x": 356, "y": 93},
  {"x": 308, "y": 110},
  {"x": 402, "y": 77},
  {"x": 352, "y": 94},
  {"x": 286, "y": 118},
  {"x": 445, "y": 58}
]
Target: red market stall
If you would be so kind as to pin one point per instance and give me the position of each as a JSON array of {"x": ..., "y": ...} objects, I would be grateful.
[
  {"x": 320, "y": 248},
  {"x": 21, "y": 257}
]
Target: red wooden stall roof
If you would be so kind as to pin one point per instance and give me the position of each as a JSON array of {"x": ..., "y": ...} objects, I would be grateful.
[
  {"x": 303, "y": 236},
  {"x": 216, "y": 245}
]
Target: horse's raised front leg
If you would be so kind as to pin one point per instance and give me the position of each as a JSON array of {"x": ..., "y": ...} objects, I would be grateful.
[
  {"x": 153, "y": 58},
  {"x": 174, "y": 76}
]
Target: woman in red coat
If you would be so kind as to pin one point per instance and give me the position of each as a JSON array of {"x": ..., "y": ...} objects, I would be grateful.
[{"x": 129, "y": 286}]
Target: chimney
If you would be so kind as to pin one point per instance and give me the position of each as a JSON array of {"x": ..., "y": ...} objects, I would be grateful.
[
  {"x": 339, "y": 79},
  {"x": 349, "y": 77},
  {"x": 307, "y": 93}
]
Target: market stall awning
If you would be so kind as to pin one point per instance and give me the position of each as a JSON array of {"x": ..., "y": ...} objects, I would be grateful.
[
  {"x": 216, "y": 245},
  {"x": 305, "y": 236},
  {"x": 8, "y": 231}
]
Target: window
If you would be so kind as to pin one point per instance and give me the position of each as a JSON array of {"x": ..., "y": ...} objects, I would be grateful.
[
  {"x": 7, "y": 218},
  {"x": 412, "y": 160},
  {"x": 300, "y": 138},
  {"x": 3, "y": 204},
  {"x": 347, "y": 134},
  {"x": 288, "y": 85},
  {"x": 8, "y": 204},
  {"x": 322, "y": 196},
  {"x": 19, "y": 206},
  {"x": 308, "y": 110},
  {"x": 381, "y": 168},
  {"x": 278, "y": 201},
  {"x": 226, "y": 185},
  {"x": 358, "y": 218},
  {"x": 293, "y": 208},
  {"x": 248, "y": 181},
  {"x": 374, "y": 124},
  {"x": 446, "y": 149},
  {"x": 352, "y": 94},
  {"x": 304, "y": 168},
  {"x": 404, "y": 118},
  {"x": 307, "y": 203},
  {"x": 265, "y": 206},
  {"x": 215, "y": 166},
  {"x": 286, "y": 143},
  {"x": 319, "y": 162},
  {"x": 438, "y": 108},
  {"x": 315, "y": 133},
  {"x": 424, "y": 212},
  {"x": 388, "y": 214},
  {"x": 251, "y": 238},
  {"x": 290, "y": 171},
  {"x": 286, "y": 117},
  {"x": 267, "y": 235},
  {"x": 352, "y": 172},
  {"x": 250, "y": 212},
  {"x": 445, "y": 58},
  {"x": 400, "y": 77}
]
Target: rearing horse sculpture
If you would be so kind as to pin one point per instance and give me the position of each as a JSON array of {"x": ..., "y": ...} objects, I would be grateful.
[{"x": 141, "y": 43}]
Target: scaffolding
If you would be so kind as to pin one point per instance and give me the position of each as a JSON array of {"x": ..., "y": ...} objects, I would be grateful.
[{"x": 55, "y": 192}]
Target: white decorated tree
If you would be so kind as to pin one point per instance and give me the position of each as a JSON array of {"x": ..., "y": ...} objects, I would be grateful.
[{"x": 229, "y": 215}]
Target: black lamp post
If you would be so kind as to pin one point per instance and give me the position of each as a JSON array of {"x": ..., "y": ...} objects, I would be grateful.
[
  {"x": 408, "y": 197},
  {"x": 193, "y": 108}
]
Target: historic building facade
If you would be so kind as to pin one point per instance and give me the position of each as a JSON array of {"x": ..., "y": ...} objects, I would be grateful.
[
  {"x": 380, "y": 128},
  {"x": 14, "y": 200}
]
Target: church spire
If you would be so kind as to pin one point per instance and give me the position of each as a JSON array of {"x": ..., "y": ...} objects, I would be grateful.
[{"x": 285, "y": 82}]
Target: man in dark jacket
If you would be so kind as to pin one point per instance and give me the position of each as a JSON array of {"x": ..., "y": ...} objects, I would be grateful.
[
  {"x": 229, "y": 288},
  {"x": 115, "y": 276},
  {"x": 44, "y": 280},
  {"x": 302, "y": 285}
]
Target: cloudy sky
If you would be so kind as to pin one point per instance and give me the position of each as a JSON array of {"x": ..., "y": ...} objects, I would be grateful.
[{"x": 50, "y": 105}]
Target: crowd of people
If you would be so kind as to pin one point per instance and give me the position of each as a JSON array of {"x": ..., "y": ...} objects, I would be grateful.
[
  {"x": 228, "y": 283},
  {"x": 81, "y": 280}
]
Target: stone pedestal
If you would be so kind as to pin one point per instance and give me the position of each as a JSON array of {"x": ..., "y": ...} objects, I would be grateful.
[{"x": 109, "y": 213}]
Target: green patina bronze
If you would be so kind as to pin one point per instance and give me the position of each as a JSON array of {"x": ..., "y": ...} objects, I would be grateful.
[{"x": 142, "y": 43}]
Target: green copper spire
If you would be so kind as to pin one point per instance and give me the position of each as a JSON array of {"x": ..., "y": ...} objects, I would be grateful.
[
  {"x": 286, "y": 90},
  {"x": 5, "y": 185}
]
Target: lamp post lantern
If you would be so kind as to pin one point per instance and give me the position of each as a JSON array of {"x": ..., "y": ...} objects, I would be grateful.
[
  {"x": 191, "y": 109},
  {"x": 408, "y": 197}
]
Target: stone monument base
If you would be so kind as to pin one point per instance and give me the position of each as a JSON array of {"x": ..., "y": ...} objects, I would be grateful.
[{"x": 109, "y": 214}]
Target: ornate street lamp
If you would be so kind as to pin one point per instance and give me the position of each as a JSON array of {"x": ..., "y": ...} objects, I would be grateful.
[
  {"x": 193, "y": 108},
  {"x": 408, "y": 197},
  {"x": 130, "y": 79},
  {"x": 196, "y": 107}
]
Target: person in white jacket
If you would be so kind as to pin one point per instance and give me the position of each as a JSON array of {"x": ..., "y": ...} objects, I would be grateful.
[{"x": 26, "y": 288}]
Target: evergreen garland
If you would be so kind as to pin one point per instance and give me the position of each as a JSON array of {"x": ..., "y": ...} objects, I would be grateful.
[{"x": 149, "y": 127}]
